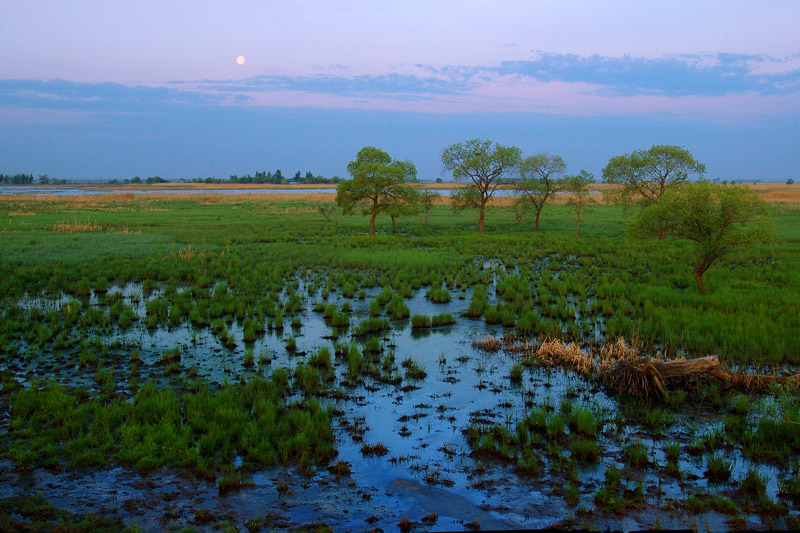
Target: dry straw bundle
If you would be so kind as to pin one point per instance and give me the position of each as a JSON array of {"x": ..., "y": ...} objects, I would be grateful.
[{"x": 621, "y": 367}]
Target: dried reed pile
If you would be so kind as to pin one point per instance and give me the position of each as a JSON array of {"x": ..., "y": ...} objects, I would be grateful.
[{"x": 622, "y": 368}]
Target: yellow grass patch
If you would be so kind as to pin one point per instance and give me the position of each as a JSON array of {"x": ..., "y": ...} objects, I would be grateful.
[
  {"x": 187, "y": 254},
  {"x": 76, "y": 227}
]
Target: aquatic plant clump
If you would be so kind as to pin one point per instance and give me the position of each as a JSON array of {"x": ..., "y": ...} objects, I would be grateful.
[{"x": 200, "y": 431}]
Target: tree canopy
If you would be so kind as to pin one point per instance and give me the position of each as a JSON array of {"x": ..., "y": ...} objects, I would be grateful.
[
  {"x": 539, "y": 179},
  {"x": 483, "y": 165},
  {"x": 379, "y": 185},
  {"x": 645, "y": 175},
  {"x": 578, "y": 185},
  {"x": 719, "y": 219}
]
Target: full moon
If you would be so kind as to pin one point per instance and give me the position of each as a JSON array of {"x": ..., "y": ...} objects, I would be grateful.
[{"x": 240, "y": 60}]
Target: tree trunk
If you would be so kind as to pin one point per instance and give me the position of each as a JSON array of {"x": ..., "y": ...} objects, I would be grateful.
[
  {"x": 372, "y": 224},
  {"x": 578, "y": 226},
  {"x": 393, "y": 226},
  {"x": 480, "y": 222},
  {"x": 426, "y": 217},
  {"x": 698, "y": 277},
  {"x": 536, "y": 226}
]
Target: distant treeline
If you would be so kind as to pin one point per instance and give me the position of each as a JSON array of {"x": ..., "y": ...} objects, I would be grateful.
[
  {"x": 137, "y": 179},
  {"x": 27, "y": 179},
  {"x": 276, "y": 178}
]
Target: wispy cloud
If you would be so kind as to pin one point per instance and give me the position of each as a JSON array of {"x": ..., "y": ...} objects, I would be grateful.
[
  {"x": 109, "y": 97},
  {"x": 364, "y": 85},
  {"x": 722, "y": 85},
  {"x": 697, "y": 75}
]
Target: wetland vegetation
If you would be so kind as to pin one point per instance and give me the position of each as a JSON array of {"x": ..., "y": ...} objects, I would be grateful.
[{"x": 241, "y": 361}]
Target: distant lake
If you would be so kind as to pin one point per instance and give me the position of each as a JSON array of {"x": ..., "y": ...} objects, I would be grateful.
[{"x": 74, "y": 191}]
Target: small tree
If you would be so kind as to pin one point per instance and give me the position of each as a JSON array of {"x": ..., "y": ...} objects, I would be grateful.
[
  {"x": 379, "y": 183},
  {"x": 645, "y": 175},
  {"x": 719, "y": 219},
  {"x": 427, "y": 199},
  {"x": 482, "y": 165},
  {"x": 539, "y": 180},
  {"x": 790, "y": 181},
  {"x": 328, "y": 211},
  {"x": 581, "y": 196}
]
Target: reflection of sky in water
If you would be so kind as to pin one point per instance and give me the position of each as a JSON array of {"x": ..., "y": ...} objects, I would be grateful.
[{"x": 462, "y": 383}]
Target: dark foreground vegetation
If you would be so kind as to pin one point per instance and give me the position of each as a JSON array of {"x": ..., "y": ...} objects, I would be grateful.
[{"x": 215, "y": 337}]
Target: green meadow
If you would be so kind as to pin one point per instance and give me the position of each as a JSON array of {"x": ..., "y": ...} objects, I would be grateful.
[{"x": 641, "y": 290}]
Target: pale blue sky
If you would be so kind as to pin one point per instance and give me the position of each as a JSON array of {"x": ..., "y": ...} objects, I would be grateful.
[{"x": 103, "y": 89}]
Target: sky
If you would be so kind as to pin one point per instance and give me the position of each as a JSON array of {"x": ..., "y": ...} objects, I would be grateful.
[{"x": 104, "y": 89}]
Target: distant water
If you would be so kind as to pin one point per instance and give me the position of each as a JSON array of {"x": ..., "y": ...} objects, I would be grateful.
[{"x": 73, "y": 191}]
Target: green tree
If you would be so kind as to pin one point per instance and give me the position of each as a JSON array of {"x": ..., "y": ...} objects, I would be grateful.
[
  {"x": 581, "y": 196},
  {"x": 426, "y": 201},
  {"x": 539, "y": 180},
  {"x": 378, "y": 186},
  {"x": 719, "y": 219},
  {"x": 482, "y": 165},
  {"x": 645, "y": 175},
  {"x": 790, "y": 181}
]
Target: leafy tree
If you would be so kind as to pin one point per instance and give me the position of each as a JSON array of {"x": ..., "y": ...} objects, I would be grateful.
[
  {"x": 483, "y": 166},
  {"x": 426, "y": 201},
  {"x": 539, "y": 180},
  {"x": 581, "y": 196},
  {"x": 719, "y": 219},
  {"x": 645, "y": 175},
  {"x": 790, "y": 181},
  {"x": 379, "y": 185},
  {"x": 44, "y": 179}
]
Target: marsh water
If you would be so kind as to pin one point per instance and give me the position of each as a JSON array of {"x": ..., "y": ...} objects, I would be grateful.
[{"x": 429, "y": 469}]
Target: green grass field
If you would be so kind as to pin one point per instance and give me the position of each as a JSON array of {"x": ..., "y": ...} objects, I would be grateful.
[{"x": 643, "y": 289}]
